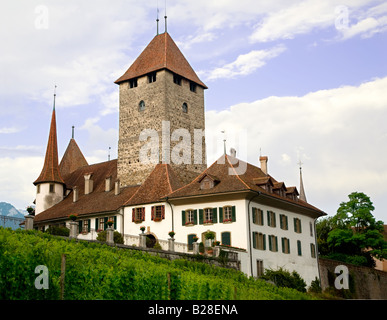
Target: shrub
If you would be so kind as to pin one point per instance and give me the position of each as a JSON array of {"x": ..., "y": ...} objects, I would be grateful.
[
  {"x": 117, "y": 237},
  {"x": 283, "y": 278},
  {"x": 58, "y": 231}
]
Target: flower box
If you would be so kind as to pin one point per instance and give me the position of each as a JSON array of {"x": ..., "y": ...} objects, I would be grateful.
[
  {"x": 189, "y": 223},
  {"x": 227, "y": 220},
  {"x": 208, "y": 222}
]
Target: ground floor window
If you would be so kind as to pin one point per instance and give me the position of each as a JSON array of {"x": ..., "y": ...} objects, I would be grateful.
[
  {"x": 260, "y": 269},
  {"x": 259, "y": 241},
  {"x": 226, "y": 238}
]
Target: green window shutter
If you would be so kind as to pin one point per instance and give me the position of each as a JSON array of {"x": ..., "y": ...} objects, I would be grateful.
[
  {"x": 183, "y": 218},
  {"x": 261, "y": 213},
  {"x": 287, "y": 223},
  {"x": 283, "y": 244},
  {"x": 254, "y": 240},
  {"x": 115, "y": 222},
  {"x": 201, "y": 211},
  {"x": 299, "y": 221},
  {"x": 276, "y": 243},
  {"x": 288, "y": 245},
  {"x": 190, "y": 241},
  {"x": 281, "y": 224},
  {"x": 80, "y": 226},
  {"x": 195, "y": 217},
  {"x": 88, "y": 225},
  {"x": 295, "y": 224},
  {"x": 270, "y": 242},
  {"x": 220, "y": 215},
  {"x": 254, "y": 214},
  {"x": 105, "y": 224},
  {"x": 274, "y": 220},
  {"x": 215, "y": 215},
  {"x": 96, "y": 224},
  {"x": 299, "y": 247},
  {"x": 226, "y": 238},
  {"x": 233, "y": 213},
  {"x": 264, "y": 241},
  {"x": 268, "y": 218}
]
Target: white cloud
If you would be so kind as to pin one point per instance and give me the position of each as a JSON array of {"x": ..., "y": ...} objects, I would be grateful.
[
  {"x": 306, "y": 16},
  {"x": 339, "y": 134},
  {"x": 245, "y": 64},
  {"x": 8, "y": 130}
]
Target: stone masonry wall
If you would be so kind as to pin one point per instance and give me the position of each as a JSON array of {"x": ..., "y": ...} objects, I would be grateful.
[{"x": 364, "y": 283}]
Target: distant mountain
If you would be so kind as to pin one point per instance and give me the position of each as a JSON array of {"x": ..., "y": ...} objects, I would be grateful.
[{"x": 7, "y": 209}]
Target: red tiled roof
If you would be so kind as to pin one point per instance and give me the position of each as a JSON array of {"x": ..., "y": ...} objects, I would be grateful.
[
  {"x": 161, "y": 53},
  {"x": 50, "y": 171},
  {"x": 99, "y": 201},
  {"x": 231, "y": 180},
  {"x": 72, "y": 159},
  {"x": 161, "y": 182}
]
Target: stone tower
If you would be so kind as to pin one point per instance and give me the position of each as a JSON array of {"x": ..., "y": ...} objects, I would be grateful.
[{"x": 161, "y": 104}]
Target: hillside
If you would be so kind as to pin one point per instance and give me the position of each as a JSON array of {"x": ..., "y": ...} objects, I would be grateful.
[{"x": 96, "y": 271}]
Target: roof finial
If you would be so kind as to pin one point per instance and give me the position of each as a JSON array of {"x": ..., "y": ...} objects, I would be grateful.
[
  {"x": 224, "y": 141},
  {"x": 72, "y": 133},
  {"x": 157, "y": 20},
  {"x": 54, "y": 96},
  {"x": 165, "y": 17},
  {"x": 109, "y": 153}
]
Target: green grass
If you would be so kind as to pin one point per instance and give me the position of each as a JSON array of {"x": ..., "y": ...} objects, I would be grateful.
[{"x": 97, "y": 271}]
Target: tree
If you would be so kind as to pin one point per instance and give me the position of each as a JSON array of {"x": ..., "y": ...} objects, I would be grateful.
[{"x": 355, "y": 231}]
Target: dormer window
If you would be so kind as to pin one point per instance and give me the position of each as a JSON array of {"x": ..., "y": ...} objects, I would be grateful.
[
  {"x": 141, "y": 106},
  {"x": 152, "y": 77},
  {"x": 192, "y": 86},
  {"x": 208, "y": 182},
  {"x": 133, "y": 83}
]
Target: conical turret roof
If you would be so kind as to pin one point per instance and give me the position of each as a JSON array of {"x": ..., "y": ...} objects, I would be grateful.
[{"x": 50, "y": 171}]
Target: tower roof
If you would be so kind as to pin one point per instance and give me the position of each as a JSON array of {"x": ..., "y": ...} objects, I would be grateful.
[
  {"x": 50, "y": 171},
  {"x": 161, "y": 53},
  {"x": 72, "y": 159}
]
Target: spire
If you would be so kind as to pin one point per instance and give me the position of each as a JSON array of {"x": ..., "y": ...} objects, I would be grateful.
[
  {"x": 302, "y": 191},
  {"x": 50, "y": 172}
]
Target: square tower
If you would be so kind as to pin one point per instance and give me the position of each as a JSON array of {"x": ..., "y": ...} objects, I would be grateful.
[{"x": 161, "y": 105}]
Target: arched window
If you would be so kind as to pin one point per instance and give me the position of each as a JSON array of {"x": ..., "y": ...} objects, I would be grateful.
[
  {"x": 141, "y": 105},
  {"x": 185, "y": 107}
]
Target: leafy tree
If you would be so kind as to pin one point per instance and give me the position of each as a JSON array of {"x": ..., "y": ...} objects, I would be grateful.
[{"x": 353, "y": 231}]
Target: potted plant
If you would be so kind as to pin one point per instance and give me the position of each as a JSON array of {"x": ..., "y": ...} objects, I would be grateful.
[
  {"x": 72, "y": 217},
  {"x": 210, "y": 235},
  {"x": 31, "y": 210},
  {"x": 195, "y": 239},
  {"x": 171, "y": 234},
  {"x": 110, "y": 223},
  {"x": 216, "y": 243},
  {"x": 142, "y": 228}
]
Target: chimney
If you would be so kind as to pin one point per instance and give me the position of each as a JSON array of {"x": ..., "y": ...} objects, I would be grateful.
[
  {"x": 117, "y": 188},
  {"x": 88, "y": 183},
  {"x": 233, "y": 152},
  {"x": 108, "y": 184},
  {"x": 264, "y": 160},
  {"x": 75, "y": 194}
]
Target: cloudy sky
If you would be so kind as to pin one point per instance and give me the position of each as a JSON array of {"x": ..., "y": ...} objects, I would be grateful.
[{"x": 293, "y": 80}]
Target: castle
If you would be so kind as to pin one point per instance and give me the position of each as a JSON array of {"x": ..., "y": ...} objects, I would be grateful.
[{"x": 161, "y": 180}]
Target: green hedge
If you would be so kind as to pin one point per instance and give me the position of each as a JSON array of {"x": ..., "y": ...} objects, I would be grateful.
[{"x": 97, "y": 271}]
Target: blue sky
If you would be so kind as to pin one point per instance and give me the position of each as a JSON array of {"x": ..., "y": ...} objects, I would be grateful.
[{"x": 298, "y": 80}]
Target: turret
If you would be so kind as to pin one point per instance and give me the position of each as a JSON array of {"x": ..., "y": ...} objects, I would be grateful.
[{"x": 50, "y": 185}]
